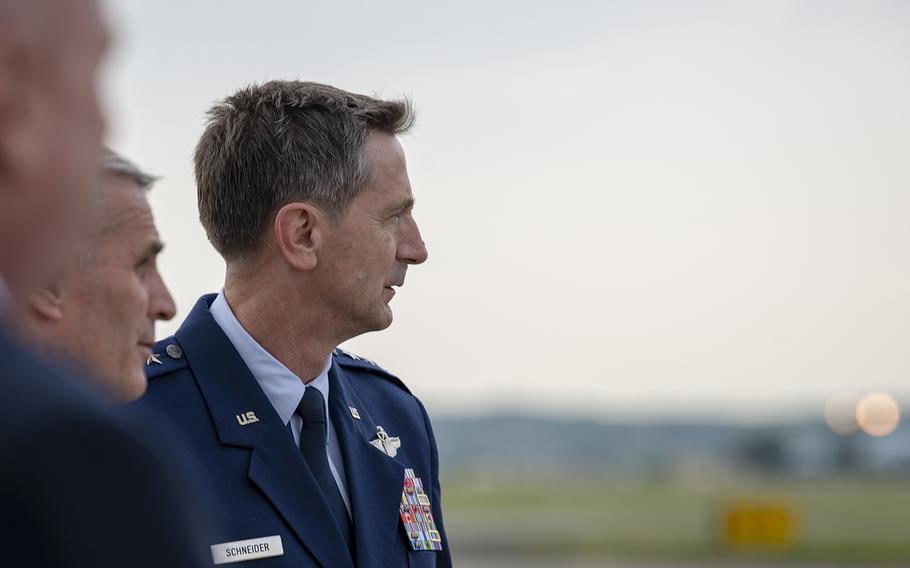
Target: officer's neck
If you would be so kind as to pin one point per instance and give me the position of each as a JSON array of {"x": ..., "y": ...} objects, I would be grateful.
[{"x": 292, "y": 331}]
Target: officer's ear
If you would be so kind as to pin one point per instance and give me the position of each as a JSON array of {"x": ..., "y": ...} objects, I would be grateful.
[
  {"x": 300, "y": 231},
  {"x": 47, "y": 303}
]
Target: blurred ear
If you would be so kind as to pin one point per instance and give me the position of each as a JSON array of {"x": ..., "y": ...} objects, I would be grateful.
[
  {"x": 300, "y": 230},
  {"x": 47, "y": 303}
]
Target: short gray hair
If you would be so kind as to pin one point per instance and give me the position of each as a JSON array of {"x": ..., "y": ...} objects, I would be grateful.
[
  {"x": 99, "y": 221},
  {"x": 113, "y": 163},
  {"x": 283, "y": 141}
]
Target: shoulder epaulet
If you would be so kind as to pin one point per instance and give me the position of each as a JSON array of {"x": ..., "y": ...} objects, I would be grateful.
[
  {"x": 350, "y": 360},
  {"x": 167, "y": 357}
]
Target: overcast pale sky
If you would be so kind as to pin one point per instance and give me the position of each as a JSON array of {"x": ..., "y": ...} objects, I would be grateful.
[{"x": 633, "y": 208}]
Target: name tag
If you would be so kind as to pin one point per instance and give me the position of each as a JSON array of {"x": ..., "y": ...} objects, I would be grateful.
[{"x": 250, "y": 549}]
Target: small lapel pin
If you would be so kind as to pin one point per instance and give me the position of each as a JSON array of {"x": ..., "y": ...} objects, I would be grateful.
[
  {"x": 246, "y": 418},
  {"x": 354, "y": 412},
  {"x": 386, "y": 444},
  {"x": 153, "y": 358}
]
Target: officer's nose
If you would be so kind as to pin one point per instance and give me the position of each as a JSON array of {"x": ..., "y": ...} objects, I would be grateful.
[
  {"x": 161, "y": 304},
  {"x": 411, "y": 248}
]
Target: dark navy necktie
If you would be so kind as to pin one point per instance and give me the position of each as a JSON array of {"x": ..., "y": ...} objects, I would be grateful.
[{"x": 313, "y": 448}]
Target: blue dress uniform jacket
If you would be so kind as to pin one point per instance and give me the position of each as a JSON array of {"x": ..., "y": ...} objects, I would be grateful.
[{"x": 258, "y": 475}]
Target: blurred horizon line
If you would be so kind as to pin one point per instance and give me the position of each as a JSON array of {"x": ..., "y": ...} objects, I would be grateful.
[{"x": 797, "y": 414}]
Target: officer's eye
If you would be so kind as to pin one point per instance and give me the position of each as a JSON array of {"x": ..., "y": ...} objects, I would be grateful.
[{"x": 143, "y": 265}]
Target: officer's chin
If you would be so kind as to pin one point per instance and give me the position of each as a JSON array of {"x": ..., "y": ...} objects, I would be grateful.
[
  {"x": 388, "y": 317},
  {"x": 133, "y": 388},
  {"x": 123, "y": 384},
  {"x": 382, "y": 318},
  {"x": 376, "y": 318},
  {"x": 132, "y": 382}
]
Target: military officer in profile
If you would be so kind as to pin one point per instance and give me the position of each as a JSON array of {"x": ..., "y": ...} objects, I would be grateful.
[
  {"x": 320, "y": 458},
  {"x": 99, "y": 311}
]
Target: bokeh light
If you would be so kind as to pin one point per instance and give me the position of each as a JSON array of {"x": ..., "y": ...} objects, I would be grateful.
[
  {"x": 840, "y": 413},
  {"x": 878, "y": 414}
]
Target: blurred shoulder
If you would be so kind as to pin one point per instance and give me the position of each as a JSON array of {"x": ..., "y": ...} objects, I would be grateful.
[
  {"x": 47, "y": 405},
  {"x": 35, "y": 387}
]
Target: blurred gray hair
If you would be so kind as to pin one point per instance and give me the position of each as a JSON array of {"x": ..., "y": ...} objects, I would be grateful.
[{"x": 113, "y": 163}]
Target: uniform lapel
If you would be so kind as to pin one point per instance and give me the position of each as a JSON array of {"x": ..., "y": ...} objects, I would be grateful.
[
  {"x": 291, "y": 488},
  {"x": 375, "y": 480},
  {"x": 276, "y": 467}
]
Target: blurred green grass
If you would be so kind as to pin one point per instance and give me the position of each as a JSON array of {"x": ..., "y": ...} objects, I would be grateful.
[{"x": 842, "y": 519}]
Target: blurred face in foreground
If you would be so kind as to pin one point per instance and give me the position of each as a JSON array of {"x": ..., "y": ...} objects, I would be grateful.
[
  {"x": 103, "y": 310},
  {"x": 50, "y": 130}
]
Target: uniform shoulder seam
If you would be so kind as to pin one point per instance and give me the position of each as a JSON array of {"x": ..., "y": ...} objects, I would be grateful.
[
  {"x": 347, "y": 359},
  {"x": 167, "y": 357}
]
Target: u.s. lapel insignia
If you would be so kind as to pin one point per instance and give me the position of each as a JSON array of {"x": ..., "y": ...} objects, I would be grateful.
[
  {"x": 153, "y": 358},
  {"x": 417, "y": 514},
  {"x": 386, "y": 444},
  {"x": 246, "y": 418},
  {"x": 354, "y": 412}
]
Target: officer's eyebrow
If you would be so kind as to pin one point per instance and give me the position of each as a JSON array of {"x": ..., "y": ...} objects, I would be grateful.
[
  {"x": 153, "y": 250},
  {"x": 400, "y": 207}
]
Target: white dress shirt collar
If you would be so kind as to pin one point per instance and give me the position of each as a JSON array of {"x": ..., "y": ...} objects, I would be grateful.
[{"x": 282, "y": 387}]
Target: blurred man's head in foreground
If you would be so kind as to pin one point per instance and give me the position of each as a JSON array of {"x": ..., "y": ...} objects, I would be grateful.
[
  {"x": 50, "y": 129},
  {"x": 100, "y": 311}
]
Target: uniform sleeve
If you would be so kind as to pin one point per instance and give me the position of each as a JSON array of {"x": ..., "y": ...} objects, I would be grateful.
[
  {"x": 86, "y": 491},
  {"x": 444, "y": 558}
]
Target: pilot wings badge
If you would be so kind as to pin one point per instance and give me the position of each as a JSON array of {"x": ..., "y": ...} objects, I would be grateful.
[{"x": 384, "y": 443}]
